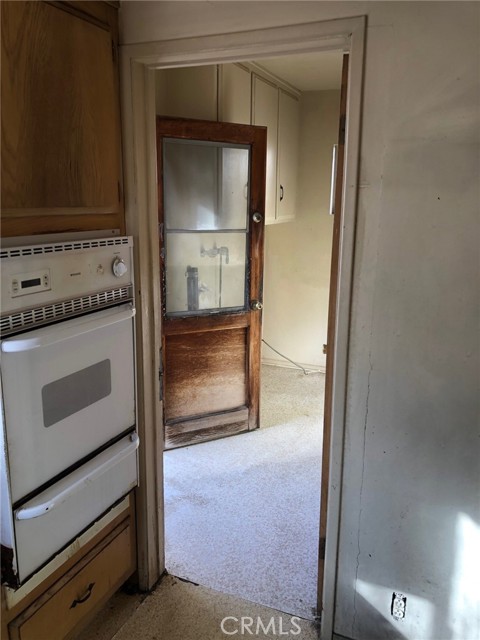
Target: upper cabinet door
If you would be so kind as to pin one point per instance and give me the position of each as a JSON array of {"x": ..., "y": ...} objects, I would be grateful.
[
  {"x": 265, "y": 113},
  {"x": 189, "y": 92},
  {"x": 288, "y": 155},
  {"x": 61, "y": 153},
  {"x": 235, "y": 94}
]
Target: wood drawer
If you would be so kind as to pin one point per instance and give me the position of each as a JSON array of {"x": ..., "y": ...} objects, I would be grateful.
[{"x": 69, "y": 602}]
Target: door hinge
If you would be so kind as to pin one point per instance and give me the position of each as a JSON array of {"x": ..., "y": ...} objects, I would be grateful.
[
  {"x": 341, "y": 129},
  {"x": 321, "y": 549},
  {"x": 114, "y": 52},
  {"x": 160, "y": 377}
]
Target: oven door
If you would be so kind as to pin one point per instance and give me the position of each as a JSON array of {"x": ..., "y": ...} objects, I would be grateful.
[
  {"x": 49, "y": 521},
  {"x": 68, "y": 389}
]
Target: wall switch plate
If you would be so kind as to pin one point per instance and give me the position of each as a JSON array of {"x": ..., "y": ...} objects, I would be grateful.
[{"x": 399, "y": 605}]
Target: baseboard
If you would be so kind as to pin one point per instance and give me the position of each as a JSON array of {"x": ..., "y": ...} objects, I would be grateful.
[{"x": 274, "y": 362}]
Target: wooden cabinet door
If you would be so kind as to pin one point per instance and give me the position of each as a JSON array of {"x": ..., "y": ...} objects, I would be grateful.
[
  {"x": 211, "y": 194},
  {"x": 265, "y": 113},
  {"x": 61, "y": 162},
  {"x": 288, "y": 155}
]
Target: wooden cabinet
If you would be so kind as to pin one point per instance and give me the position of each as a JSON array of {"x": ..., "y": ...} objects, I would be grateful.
[
  {"x": 61, "y": 149},
  {"x": 57, "y": 608},
  {"x": 279, "y": 111}
]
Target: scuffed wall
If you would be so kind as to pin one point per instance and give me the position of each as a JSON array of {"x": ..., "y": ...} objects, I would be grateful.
[{"x": 410, "y": 497}]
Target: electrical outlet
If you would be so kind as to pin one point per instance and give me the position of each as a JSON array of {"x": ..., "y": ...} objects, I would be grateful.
[{"x": 399, "y": 605}]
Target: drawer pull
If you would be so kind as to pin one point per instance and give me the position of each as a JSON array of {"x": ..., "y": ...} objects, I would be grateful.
[{"x": 83, "y": 598}]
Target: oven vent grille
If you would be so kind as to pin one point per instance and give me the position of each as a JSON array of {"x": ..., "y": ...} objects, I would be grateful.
[
  {"x": 63, "y": 247},
  {"x": 61, "y": 310}
]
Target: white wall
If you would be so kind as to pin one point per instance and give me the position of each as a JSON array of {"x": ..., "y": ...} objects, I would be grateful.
[
  {"x": 297, "y": 254},
  {"x": 410, "y": 496}
]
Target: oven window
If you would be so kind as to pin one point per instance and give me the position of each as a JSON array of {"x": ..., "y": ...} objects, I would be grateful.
[{"x": 76, "y": 391}]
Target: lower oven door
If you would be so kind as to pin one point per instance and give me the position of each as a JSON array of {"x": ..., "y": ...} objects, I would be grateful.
[
  {"x": 68, "y": 389},
  {"x": 51, "y": 520}
]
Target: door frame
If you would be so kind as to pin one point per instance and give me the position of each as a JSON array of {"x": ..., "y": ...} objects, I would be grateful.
[{"x": 138, "y": 65}]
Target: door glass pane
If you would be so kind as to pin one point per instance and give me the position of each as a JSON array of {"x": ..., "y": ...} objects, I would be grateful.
[
  {"x": 205, "y": 271},
  {"x": 206, "y": 195},
  {"x": 206, "y": 185}
]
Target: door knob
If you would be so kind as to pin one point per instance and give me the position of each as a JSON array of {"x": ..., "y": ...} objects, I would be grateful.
[
  {"x": 257, "y": 217},
  {"x": 256, "y": 305}
]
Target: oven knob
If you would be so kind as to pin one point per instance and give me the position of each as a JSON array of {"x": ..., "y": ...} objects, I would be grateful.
[{"x": 119, "y": 267}]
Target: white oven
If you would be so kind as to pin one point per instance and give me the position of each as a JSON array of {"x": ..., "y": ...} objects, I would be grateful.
[{"x": 69, "y": 446}]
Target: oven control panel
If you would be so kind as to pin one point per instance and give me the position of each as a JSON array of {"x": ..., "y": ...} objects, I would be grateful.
[
  {"x": 22, "y": 284},
  {"x": 42, "y": 274}
]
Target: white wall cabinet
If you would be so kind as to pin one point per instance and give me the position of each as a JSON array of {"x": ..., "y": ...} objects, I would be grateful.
[
  {"x": 189, "y": 92},
  {"x": 280, "y": 112},
  {"x": 265, "y": 113},
  {"x": 288, "y": 156},
  {"x": 244, "y": 94},
  {"x": 234, "y": 94}
]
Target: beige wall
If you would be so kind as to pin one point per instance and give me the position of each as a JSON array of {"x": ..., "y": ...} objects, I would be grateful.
[
  {"x": 410, "y": 518},
  {"x": 297, "y": 254}
]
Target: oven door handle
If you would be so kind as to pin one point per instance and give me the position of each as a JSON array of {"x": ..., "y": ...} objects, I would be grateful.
[
  {"x": 62, "y": 490},
  {"x": 51, "y": 335}
]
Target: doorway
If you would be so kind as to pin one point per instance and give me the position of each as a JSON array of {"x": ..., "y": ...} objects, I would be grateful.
[
  {"x": 242, "y": 516},
  {"x": 139, "y": 63}
]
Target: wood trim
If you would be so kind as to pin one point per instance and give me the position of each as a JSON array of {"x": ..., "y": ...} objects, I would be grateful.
[
  {"x": 138, "y": 97},
  {"x": 58, "y": 211},
  {"x": 332, "y": 307},
  {"x": 20, "y": 226},
  {"x": 208, "y": 130},
  {"x": 195, "y": 324},
  {"x": 197, "y": 430}
]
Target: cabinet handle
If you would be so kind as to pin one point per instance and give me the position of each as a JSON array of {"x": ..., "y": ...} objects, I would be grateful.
[
  {"x": 84, "y": 598},
  {"x": 281, "y": 193}
]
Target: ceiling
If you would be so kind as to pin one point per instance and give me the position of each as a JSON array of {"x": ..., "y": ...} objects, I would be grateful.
[{"x": 318, "y": 71}]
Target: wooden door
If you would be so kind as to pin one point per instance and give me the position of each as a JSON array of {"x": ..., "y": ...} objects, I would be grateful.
[
  {"x": 332, "y": 305},
  {"x": 211, "y": 195}
]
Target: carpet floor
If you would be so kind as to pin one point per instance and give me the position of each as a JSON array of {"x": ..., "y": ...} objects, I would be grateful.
[{"x": 242, "y": 513}]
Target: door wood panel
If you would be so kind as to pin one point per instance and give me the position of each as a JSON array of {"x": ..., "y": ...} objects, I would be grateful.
[{"x": 212, "y": 366}]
